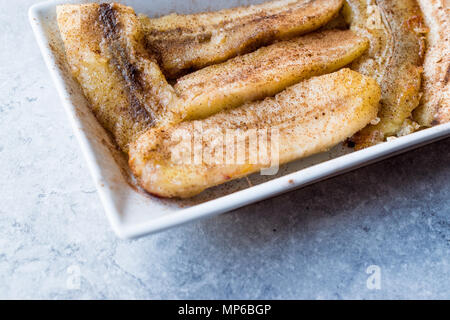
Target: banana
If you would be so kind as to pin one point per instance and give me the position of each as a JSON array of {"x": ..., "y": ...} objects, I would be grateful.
[
  {"x": 435, "y": 106},
  {"x": 305, "y": 119},
  {"x": 394, "y": 29},
  {"x": 190, "y": 42},
  {"x": 129, "y": 93},
  {"x": 265, "y": 72}
]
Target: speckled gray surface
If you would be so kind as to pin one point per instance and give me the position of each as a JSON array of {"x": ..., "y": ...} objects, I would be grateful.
[{"x": 313, "y": 243}]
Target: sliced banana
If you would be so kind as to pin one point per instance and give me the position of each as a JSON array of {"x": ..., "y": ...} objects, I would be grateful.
[
  {"x": 190, "y": 42},
  {"x": 395, "y": 31},
  {"x": 435, "y": 107},
  {"x": 266, "y": 72},
  {"x": 122, "y": 82},
  {"x": 307, "y": 118}
]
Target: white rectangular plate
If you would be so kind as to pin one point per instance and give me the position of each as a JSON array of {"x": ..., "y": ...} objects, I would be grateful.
[{"x": 133, "y": 213}]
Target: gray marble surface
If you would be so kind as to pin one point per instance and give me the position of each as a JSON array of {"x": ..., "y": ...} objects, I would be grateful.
[{"x": 313, "y": 243}]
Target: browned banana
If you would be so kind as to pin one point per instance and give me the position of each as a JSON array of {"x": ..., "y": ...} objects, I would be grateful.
[
  {"x": 189, "y": 42},
  {"x": 435, "y": 107},
  {"x": 307, "y": 118},
  {"x": 128, "y": 92}
]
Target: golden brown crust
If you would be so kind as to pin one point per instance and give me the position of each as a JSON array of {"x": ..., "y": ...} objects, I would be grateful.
[
  {"x": 435, "y": 106},
  {"x": 266, "y": 71},
  {"x": 187, "y": 42}
]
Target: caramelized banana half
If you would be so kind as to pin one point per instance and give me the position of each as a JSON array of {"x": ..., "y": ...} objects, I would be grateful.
[
  {"x": 121, "y": 80},
  {"x": 435, "y": 107},
  {"x": 128, "y": 93},
  {"x": 395, "y": 30},
  {"x": 266, "y": 72},
  {"x": 307, "y": 118},
  {"x": 190, "y": 42}
]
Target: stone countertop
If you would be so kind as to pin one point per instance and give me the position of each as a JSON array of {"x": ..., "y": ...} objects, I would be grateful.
[{"x": 313, "y": 243}]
